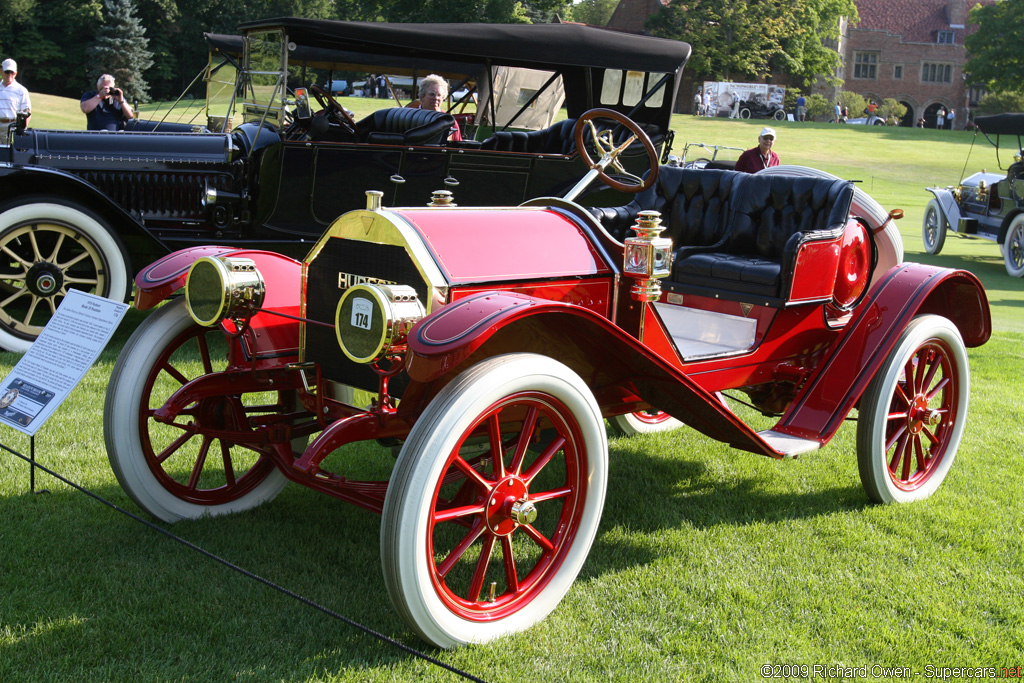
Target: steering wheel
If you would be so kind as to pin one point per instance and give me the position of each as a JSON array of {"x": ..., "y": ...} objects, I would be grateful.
[
  {"x": 605, "y": 143},
  {"x": 335, "y": 111}
]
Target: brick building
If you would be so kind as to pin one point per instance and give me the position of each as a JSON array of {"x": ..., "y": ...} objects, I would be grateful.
[{"x": 910, "y": 50}]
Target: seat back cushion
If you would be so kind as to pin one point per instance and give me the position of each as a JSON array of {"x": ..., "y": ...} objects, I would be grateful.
[
  {"x": 770, "y": 209},
  {"x": 406, "y": 126},
  {"x": 693, "y": 204}
]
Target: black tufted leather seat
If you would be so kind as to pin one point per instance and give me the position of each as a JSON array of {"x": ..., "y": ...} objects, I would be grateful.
[
  {"x": 406, "y": 126},
  {"x": 737, "y": 232},
  {"x": 555, "y": 139}
]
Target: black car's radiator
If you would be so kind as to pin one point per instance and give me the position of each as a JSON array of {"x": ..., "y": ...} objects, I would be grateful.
[{"x": 158, "y": 195}]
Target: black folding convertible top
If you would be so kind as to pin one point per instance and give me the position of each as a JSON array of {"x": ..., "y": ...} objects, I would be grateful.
[
  {"x": 525, "y": 45},
  {"x": 1001, "y": 124}
]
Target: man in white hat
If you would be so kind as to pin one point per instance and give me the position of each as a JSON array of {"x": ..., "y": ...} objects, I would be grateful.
[
  {"x": 760, "y": 157},
  {"x": 13, "y": 95}
]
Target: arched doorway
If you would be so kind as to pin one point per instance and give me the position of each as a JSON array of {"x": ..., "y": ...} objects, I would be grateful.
[
  {"x": 930, "y": 113},
  {"x": 908, "y": 119}
]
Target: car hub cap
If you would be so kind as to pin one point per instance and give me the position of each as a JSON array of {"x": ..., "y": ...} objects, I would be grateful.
[
  {"x": 44, "y": 279},
  {"x": 501, "y": 523},
  {"x": 921, "y": 416}
]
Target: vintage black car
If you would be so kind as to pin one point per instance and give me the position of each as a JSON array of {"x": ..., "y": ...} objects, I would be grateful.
[
  {"x": 759, "y": 109},
  {"x": 88, "y": 210},
  {"x": 984, "y": 205}
]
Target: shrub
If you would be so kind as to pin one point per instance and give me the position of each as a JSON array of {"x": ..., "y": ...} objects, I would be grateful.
[
  {"x": 818, "y": 107},
  {"x": 892, "y": 111},
  {"x": 1000, "y": 102}
]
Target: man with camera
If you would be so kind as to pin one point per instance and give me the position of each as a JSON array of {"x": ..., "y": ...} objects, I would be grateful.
[{"x": 106, "y": 108}]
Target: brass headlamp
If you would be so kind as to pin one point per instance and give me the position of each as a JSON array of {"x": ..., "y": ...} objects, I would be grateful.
[
  {"x": 372, "y": 319},
  {"x": 222, "y": 287}
]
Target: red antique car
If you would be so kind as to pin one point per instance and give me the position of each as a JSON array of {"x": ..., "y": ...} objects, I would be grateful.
[{"x": 486, "y": 347}]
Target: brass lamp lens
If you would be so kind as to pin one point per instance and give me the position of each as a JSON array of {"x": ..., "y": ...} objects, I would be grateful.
[
  {"x": 361, "y": 324},
  {"x": 205, "y": 291}
]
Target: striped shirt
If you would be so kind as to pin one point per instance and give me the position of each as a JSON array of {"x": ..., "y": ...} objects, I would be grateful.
[{"x": 13, "y": 99}]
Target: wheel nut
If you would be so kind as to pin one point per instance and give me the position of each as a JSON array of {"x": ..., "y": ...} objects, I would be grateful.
[
  {"x": 524, "y": 512},
  {"x": 932, "y": 418}
]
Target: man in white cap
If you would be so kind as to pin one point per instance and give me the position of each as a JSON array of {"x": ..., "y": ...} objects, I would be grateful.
[
  {"x": 760, "y": 157},
  {"x": 13, "y": 95}
]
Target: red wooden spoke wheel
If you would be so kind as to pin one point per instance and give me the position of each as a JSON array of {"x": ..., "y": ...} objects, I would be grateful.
[
  {"x": 476, "y": 548},
  {"x": 190, "y": 467},
  {"x": 912, "y": 415},
  {"x": 524, "y": 511}
]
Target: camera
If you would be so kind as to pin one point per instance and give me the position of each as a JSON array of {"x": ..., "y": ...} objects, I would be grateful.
[{"x": 113, "y": 92}]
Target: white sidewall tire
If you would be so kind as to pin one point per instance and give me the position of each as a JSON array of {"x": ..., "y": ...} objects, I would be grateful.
[
  {"x": 932, "y": 210},
  {"x": 407, "y": 505},
  {"x": 631, "y": 425},
  {"x": 91, "y": 228},
  {"x": 871, "y": 421},
  {"x": 1014, "y": 234},
  {"x": 121, "y": 431}
]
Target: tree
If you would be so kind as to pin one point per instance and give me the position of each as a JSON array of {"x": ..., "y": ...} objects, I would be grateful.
[
  {"x": 593, "y": 12},
  {"x": 121, "y": 49},
  {"x": 750, "y": 38},
  {"x": 996, "y": 49},
  {"x": 49, "y": 39}
]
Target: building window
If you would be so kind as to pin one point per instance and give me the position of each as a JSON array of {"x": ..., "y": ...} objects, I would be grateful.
[
  {"x": 897, "y": 72},
  {"x": 936, "y": 73},
  {"x": 865, "y": 65},
  {"x": 946, "y": 37}
]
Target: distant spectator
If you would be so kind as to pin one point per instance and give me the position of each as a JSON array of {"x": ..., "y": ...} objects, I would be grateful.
[
  {"x": 838, "y": 113},
  {"x": 106, "y": 108},
  {"x": 697, "y": 103},
  {"x": 950, "y": 118},
  {"x": 921, "y": 122},
  {"x": 801, "y": 108},
  {"x": 14, "y": 97},
  {"x": 760, "y": 157},
  {"x": 940, "y": 118},
  {"x": 870, "y": 111},
  {"x": 707, "y": 103}
]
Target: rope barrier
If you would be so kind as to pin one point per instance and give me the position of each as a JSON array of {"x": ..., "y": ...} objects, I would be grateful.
[{"x": 245, "y": 572}]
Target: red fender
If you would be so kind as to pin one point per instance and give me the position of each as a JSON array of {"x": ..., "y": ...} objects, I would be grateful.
[
  {"x": 905, "y": 291},
  {"x": 617, "y": 368},
  {"x": 164, "y": 277},
  {"x": 270, "y": 336}
]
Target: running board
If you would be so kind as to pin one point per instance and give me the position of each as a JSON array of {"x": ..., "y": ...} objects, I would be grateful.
[{"x": 786, "y": 445}]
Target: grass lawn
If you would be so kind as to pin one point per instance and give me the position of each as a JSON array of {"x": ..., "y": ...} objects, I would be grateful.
[{"x": 709, "y": 562}]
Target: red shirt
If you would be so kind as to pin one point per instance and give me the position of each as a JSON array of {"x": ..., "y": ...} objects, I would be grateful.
[{"x": 752, "y": 161}]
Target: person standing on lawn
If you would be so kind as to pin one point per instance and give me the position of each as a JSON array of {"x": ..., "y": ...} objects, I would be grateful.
[{"x": 14, "y": 97}]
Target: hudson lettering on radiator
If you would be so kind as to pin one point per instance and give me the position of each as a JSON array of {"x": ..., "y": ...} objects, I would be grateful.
[{"x": 346, "y": 280}]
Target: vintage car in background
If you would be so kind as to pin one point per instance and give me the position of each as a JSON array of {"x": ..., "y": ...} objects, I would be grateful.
[
  {"x": 758, "y": 108},
  {"x": 485, "y": 347},
  {"x": 88, "y": 210},
  {"x": 984, "y": 205}
]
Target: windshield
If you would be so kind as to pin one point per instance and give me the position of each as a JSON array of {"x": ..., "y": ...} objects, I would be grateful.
[{"x": 263, "y": 95}]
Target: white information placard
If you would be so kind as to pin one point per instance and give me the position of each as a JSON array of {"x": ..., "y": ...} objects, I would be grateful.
[{"x": 58, "y": 359}]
